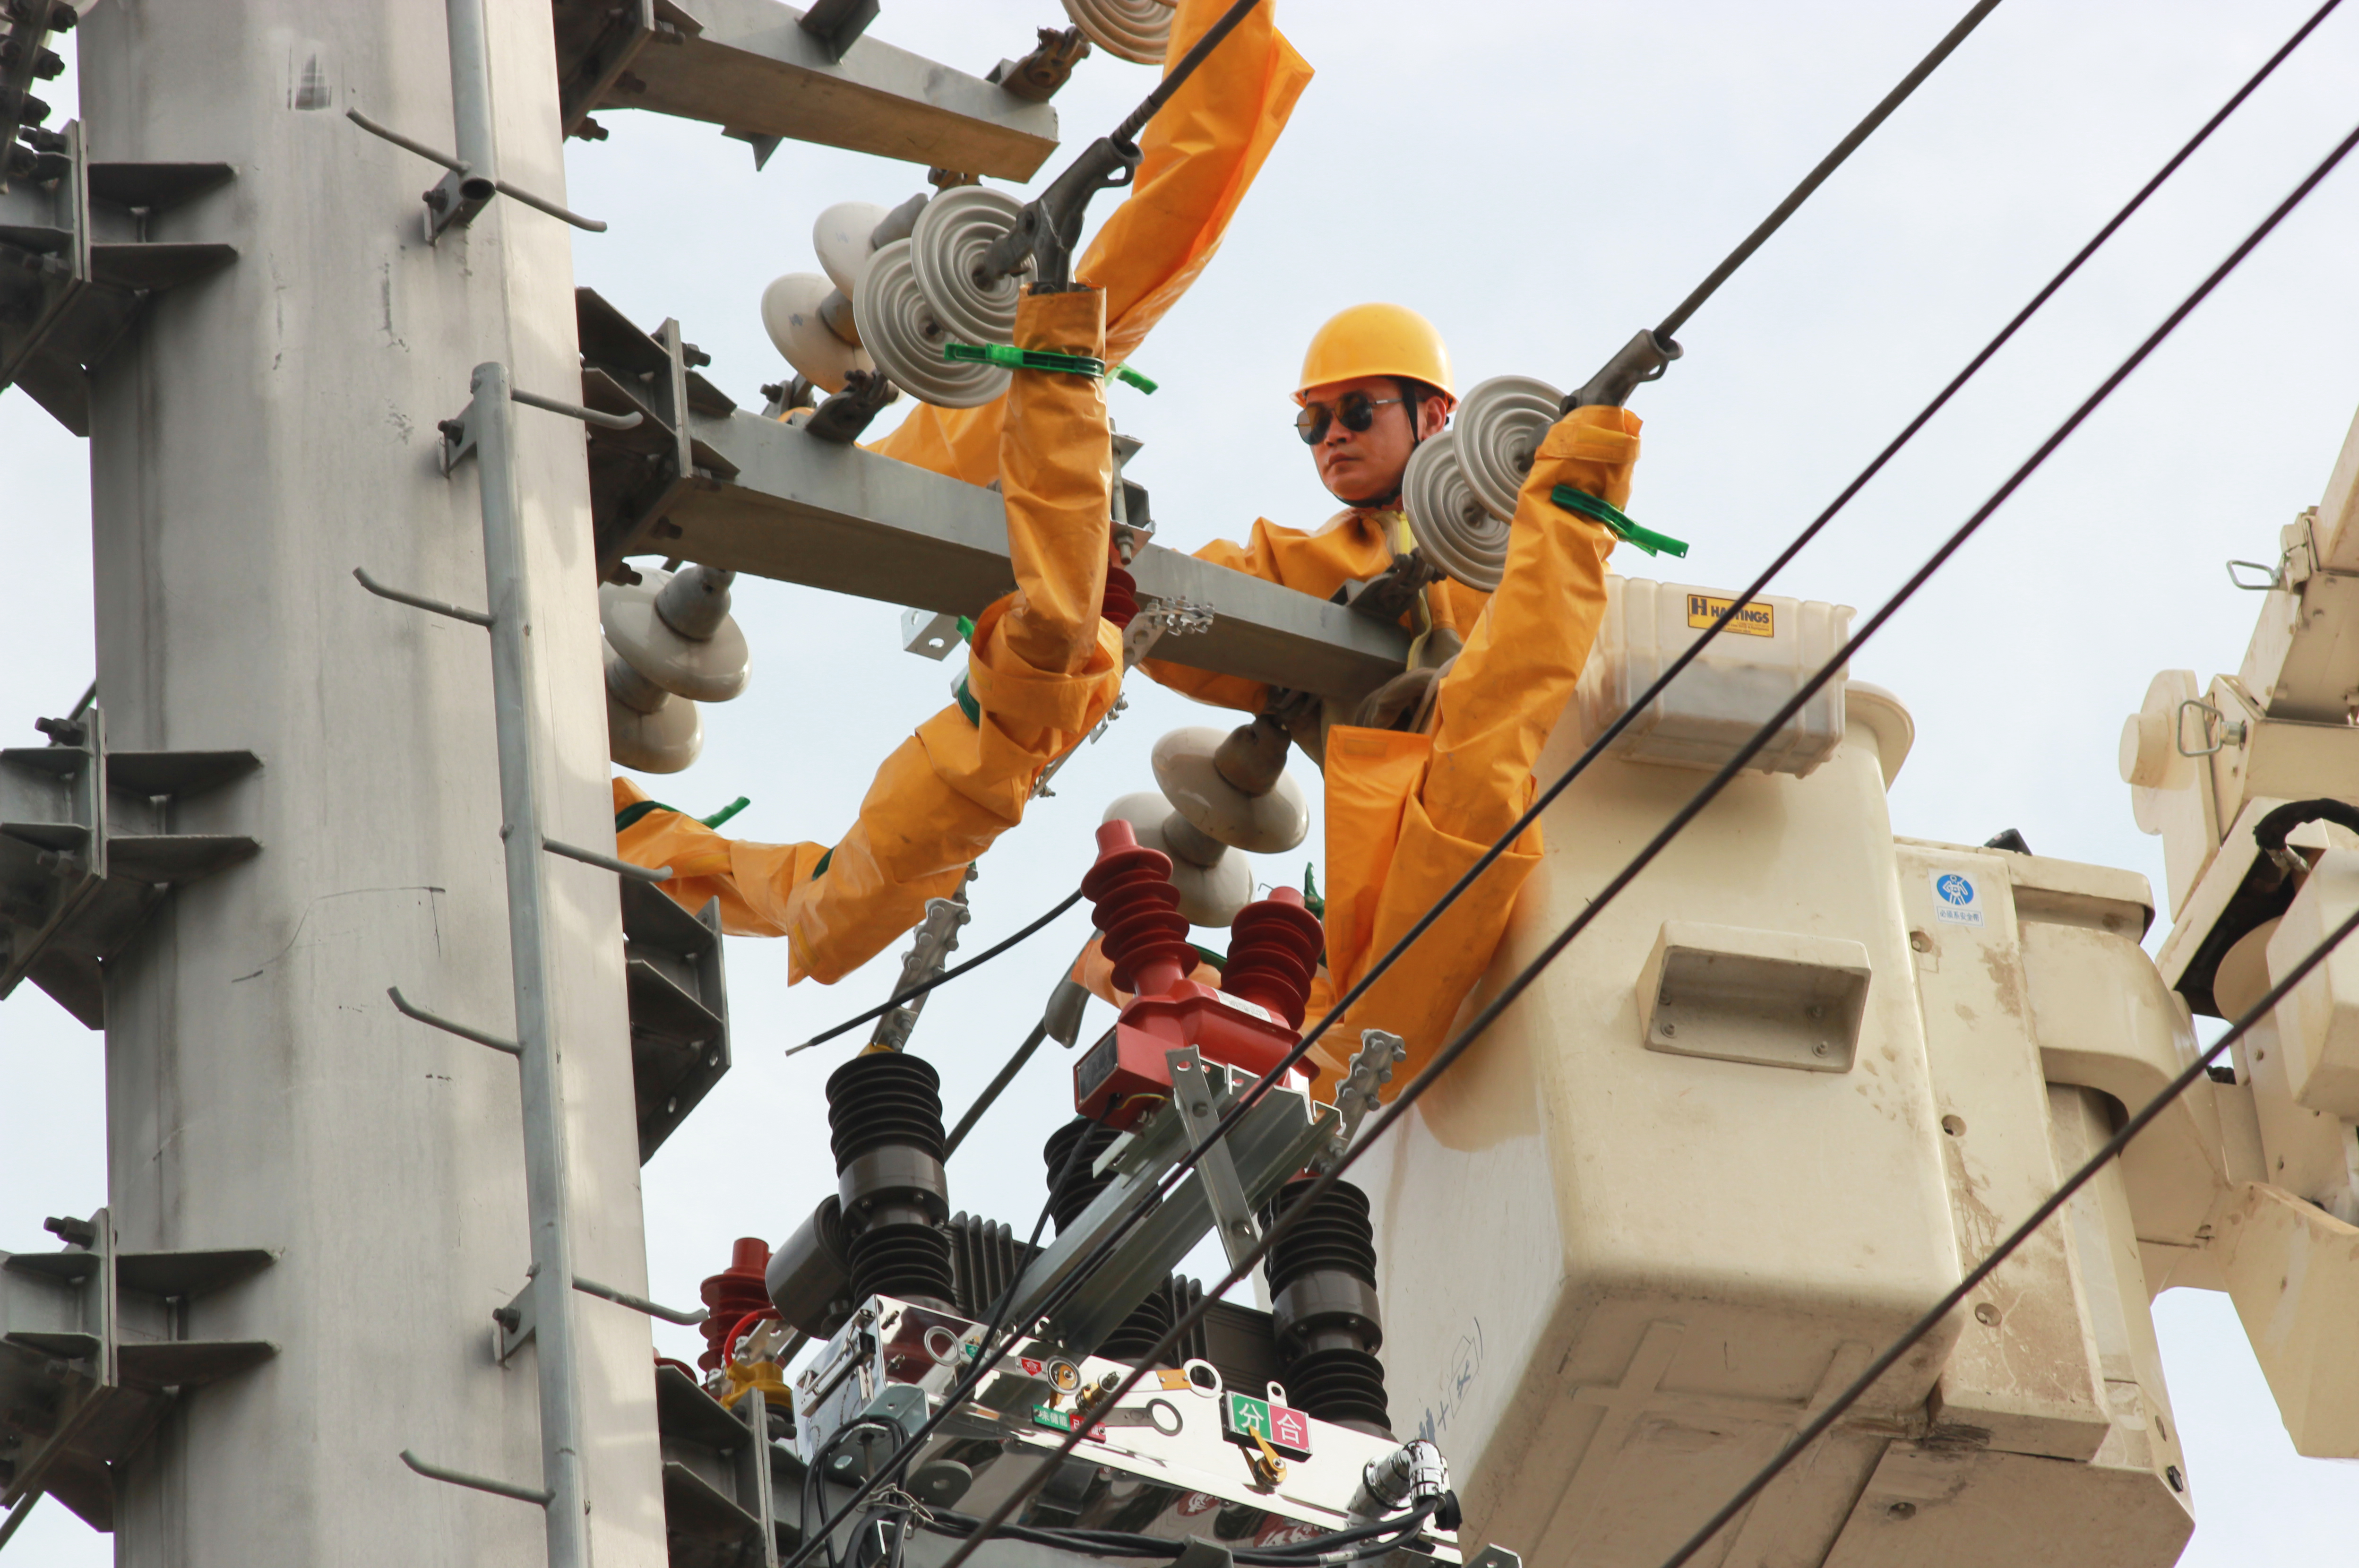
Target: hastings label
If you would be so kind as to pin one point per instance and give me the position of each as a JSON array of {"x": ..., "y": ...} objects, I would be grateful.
[{"x": 1755, "y": 619}]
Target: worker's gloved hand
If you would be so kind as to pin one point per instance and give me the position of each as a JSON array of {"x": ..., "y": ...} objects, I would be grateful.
[{"x": 1591, "y": 449}]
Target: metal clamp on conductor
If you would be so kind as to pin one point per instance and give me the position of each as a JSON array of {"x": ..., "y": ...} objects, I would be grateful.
[
  {"x": 1597, "y": 509},
  {"x": 1010, "y": 357}
]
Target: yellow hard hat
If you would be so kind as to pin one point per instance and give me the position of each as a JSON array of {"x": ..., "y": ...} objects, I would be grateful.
[{"x": 1375, "y": 339}]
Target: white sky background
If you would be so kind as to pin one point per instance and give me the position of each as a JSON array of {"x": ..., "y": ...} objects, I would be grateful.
[{"x": 1541, "y": 179}]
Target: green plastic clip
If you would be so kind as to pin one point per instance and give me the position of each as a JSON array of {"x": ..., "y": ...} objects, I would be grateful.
[
  {"x": 1123, "y": 373},
  {"x": 1016, "y": 358},
  {"x": 632, "y": 814},
  {"x": 727, "y": 812},
  {"x": 1597, "y": 509}
]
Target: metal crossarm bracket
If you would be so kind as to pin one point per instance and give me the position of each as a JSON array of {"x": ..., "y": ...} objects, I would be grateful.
[
  {"x": 1191, "y": 1091},
  {"x": 87, "y": 849},
  {"x": 90, "y": 1355},
  {"x": 460, "y": 437},
  {"x": 87, "y": 266}
]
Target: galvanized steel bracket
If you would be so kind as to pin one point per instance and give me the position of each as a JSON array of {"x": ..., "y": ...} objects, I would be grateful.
[{"x": 87, "y": 849}]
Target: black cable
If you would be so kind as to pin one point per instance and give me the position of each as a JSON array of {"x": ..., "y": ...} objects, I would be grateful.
[
  {"x": 1827, "y": 165},
  {"x": 1449, "y": 1054},
  {"x": 1177, "y": 76},
  {"x": 1645, "y": 700},
  {"x": 1375, "y": 1539},
  {"x": 986, "y": 956},
  {"x": 812, "y": 1476},
  {"x": 1688, "y": 656},
  {"x": 992, "y": 1090}
]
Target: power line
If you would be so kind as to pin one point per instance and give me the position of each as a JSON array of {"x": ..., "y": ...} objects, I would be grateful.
[
  {"x": 1827, "y": 165},
  {"x": 1596, "y": 748},
  {"x": 986, "y": 956},
  {"x": 1449, "y": 1054},
  {"x": 1686, "y": 657},
  {"x": 1784, "y": 557}
]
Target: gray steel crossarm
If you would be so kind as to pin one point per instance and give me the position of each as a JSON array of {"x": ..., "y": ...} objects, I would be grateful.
[
  {"x": 748, "y": 67},
  {"x": 799, "y": 510}
]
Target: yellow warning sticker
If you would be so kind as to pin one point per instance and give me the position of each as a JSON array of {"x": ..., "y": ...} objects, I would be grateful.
[{"x": 1755, "y": 619}]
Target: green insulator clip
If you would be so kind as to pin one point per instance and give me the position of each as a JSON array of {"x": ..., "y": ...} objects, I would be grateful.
[
  {"x": 966, "y": 628},
  {"x": 1125, "y": 373},
  {"x": 1015, "y": 358},
  {"x": 1598, "y": 509},
  {"x": 727, "y": 812}
]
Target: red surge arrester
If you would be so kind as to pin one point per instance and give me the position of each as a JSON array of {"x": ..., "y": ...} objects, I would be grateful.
[
  {"x": 1249, "y": 1022},
  {"x": 1121, "y": 602},
  {"x": 733, "y": 1298}
]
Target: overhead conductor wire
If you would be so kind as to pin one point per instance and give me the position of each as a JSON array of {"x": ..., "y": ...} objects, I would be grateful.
[
  {"x": 993, "y": 1356},
  {"x": 1515, "y": 988},
  {"x": 953, "y": 973}
]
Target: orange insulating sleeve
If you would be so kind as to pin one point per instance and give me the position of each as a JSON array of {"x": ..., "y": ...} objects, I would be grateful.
[
  {"x": 1351, "y": 545},
  {"x": 1044, "y": 668},
  {"x": 1200, "y": 155},
  {"x": 1410, "y": 814}
]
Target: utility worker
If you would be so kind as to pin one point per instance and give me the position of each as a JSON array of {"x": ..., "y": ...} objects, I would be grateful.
[
  {"x": 1376, "y": 382},
  {"x": 1044, "y": 668},
  {"x": 1424, "y": 776}
]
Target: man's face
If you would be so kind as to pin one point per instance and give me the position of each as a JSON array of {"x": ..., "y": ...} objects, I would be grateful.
[{"x": 1361, "y": 465}]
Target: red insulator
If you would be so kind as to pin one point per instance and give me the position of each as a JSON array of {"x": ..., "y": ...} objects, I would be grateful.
[
  {"x": 1121, "y": 597},
  {"x": 733, "y": 1295},
  {"x": 1138, "y": 909},
  {"x": 1273, "y": 952}
]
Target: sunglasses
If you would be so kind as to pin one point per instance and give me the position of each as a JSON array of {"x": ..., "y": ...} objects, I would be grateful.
[{"x": 1357, "y": 411}]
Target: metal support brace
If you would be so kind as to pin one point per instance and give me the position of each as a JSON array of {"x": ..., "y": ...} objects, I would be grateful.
[{"x": 1192, "y": 1092}]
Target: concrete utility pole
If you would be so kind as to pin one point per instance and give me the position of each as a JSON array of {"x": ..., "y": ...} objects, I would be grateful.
[{"x": 266, "y": 431}]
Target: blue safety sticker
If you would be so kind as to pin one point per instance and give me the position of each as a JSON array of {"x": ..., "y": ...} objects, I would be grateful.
[{"x": 1956, "y": 901}]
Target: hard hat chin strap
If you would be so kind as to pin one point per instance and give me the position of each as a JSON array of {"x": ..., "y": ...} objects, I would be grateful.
[{"x": 1413, "y": 408}]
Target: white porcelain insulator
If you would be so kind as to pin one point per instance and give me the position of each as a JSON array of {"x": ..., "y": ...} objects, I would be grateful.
[
  {"x": 1258, "y": 824},
  {"x": 665, "y": 741},
  {"x": 1499, "y": 424},
  {"x": 904, "y": 337},
  {"x": 1453, "y": 530},
  {"x": 947, "y": 249},
  {"x": 790, "y": 314},
  {"x": 1135, "y": 30},
  {"x": 711, "y": 671},
  {"x": 840, "y": 238},
  {"x": 1209, "y": 894}
]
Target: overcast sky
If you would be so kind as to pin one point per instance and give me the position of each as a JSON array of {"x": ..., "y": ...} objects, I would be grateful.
[{"x": 1541, "y": 179}]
